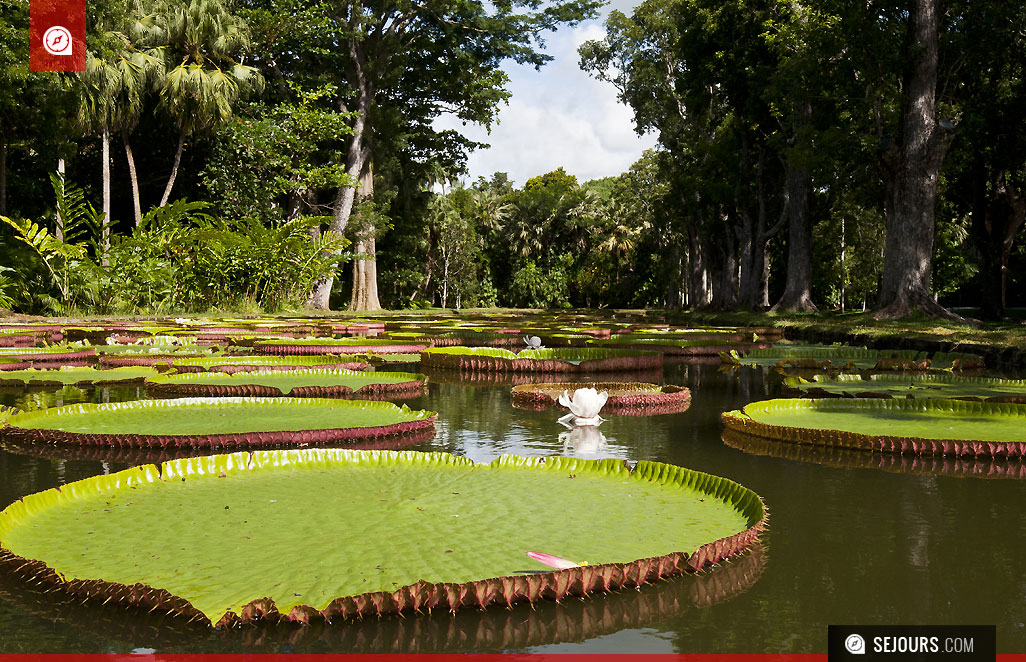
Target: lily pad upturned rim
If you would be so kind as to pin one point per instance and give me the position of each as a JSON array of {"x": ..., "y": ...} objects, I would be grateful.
[
  {"x": 557, "y": 584},
  {"x": 742, "y": 421},
  {"x": 625, "y": 398},
  {"x": 421, "y": 420},
  {"x": 192, "y": 384}
]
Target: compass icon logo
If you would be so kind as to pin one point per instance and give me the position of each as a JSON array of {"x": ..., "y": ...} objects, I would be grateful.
[{"x": 57, "y": 40}]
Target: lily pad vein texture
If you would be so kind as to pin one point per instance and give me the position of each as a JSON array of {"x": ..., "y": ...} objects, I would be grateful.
[
  {"x": 932, "y": 426},
  {"x": 201, "y": 422},
  {"x": 327, "y": 533}
]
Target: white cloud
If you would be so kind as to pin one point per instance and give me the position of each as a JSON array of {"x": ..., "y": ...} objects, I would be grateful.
[{"x": 557, "y": 117}]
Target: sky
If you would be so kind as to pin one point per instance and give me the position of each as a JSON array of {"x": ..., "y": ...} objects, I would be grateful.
[{"x": 558, "y": 116}]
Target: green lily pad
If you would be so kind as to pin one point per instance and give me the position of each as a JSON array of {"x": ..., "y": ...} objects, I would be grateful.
[
  {"x": 216, "y": 421},
  {"x": 299, "y": 383},
  {"x": 925, "y": 426},
  {"x": 912, "y": 386},
  {"x": 454, "y": 533},
  {"x": 77, "y": 375}
]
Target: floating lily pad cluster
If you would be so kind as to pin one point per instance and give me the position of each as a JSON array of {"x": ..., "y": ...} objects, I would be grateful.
[{"x": 460, "y": 547}]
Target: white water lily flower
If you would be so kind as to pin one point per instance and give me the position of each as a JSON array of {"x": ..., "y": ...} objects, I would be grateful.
[
  {"x": 534, "y": 342},
  {"x": 585, "y": 405}
]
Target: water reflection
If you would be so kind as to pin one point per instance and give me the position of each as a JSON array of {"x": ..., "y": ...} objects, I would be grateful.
[{"x": 584, "y": 441}]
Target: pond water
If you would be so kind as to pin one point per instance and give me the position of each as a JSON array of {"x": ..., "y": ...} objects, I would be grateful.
[{"x": 853, "y": 539}]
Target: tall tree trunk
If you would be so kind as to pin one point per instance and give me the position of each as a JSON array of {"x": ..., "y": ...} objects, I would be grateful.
[
  {"x": 356, "y": 157},
  {"x": 365, "y": 269},
  {"x": 911, "y": 171},
  {"x": 105, "y": 232},
  {"x": 174, "y": 170},
  {"x": 797, "y": 294},
  {"x": 136, "y": 206},
  {"x": 698, "y": 274},
  {"x": 725, "y": 269}
]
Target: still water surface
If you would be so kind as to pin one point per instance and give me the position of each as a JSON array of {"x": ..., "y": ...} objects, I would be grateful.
[{"x": 853, "y": 539}]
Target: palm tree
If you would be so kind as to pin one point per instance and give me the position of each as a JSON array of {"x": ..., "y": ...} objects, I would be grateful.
[{"x": 199, "y": 40}]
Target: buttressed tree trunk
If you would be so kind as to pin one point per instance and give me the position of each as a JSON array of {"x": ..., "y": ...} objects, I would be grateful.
[
  {"x": 911, "y": 172},
  {"x": 365, "y": 269}
]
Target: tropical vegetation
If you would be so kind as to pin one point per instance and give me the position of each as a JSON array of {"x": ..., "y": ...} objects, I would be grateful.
[{"x": 809, "y": 156}]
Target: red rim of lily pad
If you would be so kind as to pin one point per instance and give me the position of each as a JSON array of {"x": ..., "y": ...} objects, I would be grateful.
[
  {"x": 222, "y": 441},
  {"x": 625, "y": 398},
  {"x": 554, "y": 585},
  {"x": 118, "y": 361},
  {"x": 285, "y": 348}
]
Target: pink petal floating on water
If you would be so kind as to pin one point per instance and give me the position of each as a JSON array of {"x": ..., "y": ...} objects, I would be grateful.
[{"x": 553, "y": 561}]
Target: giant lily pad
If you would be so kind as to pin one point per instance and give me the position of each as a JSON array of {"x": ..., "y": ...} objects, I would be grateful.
[
  {"x": 231, "y": 364},
  {"x": 76, "y": 375},
  {"x": 912, "y": 386},
  {"x": 456, "y": 533},
  {"x": 625, "y": 398},
  {"x": 297, "y": 383},
  {"x": 218, "y": 422},
  {"x": 927, "y": 426},
  {"x": 564, "y": 359}
]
